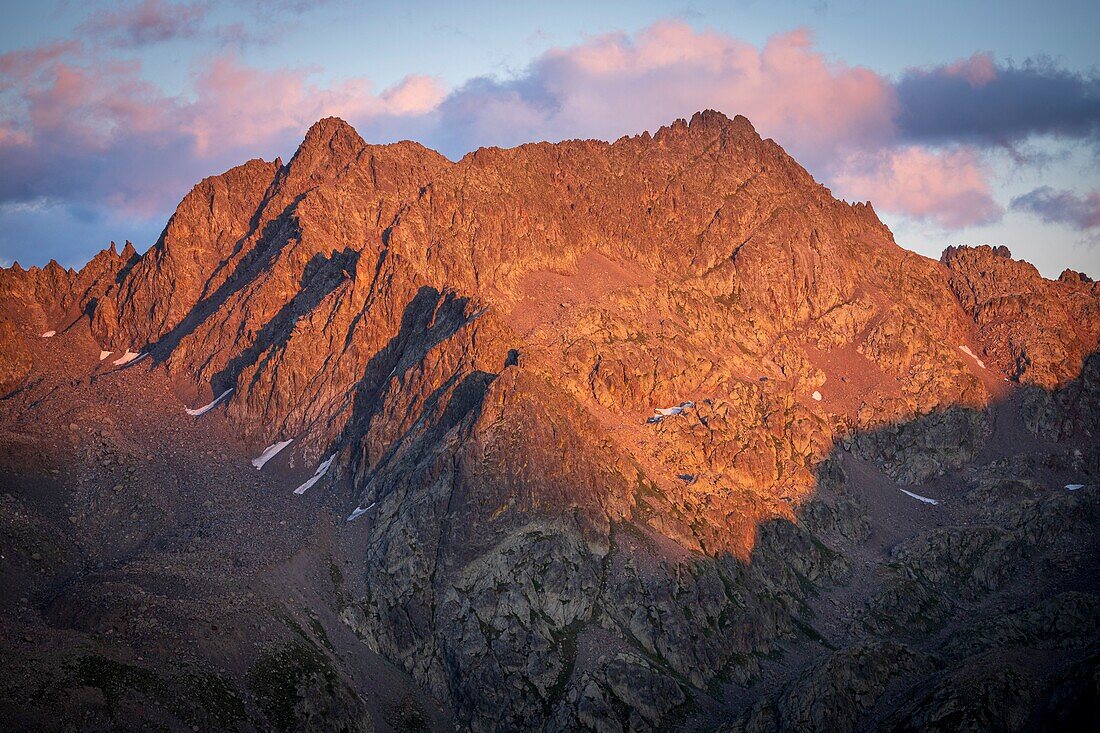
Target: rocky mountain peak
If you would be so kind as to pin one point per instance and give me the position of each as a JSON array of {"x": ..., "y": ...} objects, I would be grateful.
[
  {"x": 331, "y": 132},
  {"x": 555, "y": 435},
  {"x": 706, "y": 125},
  {"x": 713, "y": 119},
  {"x": 330, "y": 138}
]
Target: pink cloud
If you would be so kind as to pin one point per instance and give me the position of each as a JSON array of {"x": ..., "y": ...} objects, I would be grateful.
[
  {"x": 19, "y": 67},
  {"x": 88, "y": 107},
  {"x": 837, "y": 119},
  {"x": 10, "y": 136},
  {"x": 948, "y": 188},
  {"x": 95, "y": 129},
  {"x": 978, "y": 70},
  {"x": 614, "y": 84},
  {"x": 239, "y": 107},
  {"x": 414, "y": 95}
]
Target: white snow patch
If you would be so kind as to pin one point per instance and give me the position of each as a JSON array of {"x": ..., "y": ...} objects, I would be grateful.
[
  {"x": 1074, "y": 487},
  {"x": 918, "y": 497},
  {"x": 270, "y": 453},
  {"x": 660, "y": 413},
  {"x": 104, "y": 354},
  {"x": 317, "y": 475},
  {"x": 971, "y": 354},
  {"x": 360, "y": 512},
  {"x": 816, "y": 395},
  {"x": 49, "y": 334},
  {"x": 128, "y": 358},
  {"x": 207, "y": 408}
]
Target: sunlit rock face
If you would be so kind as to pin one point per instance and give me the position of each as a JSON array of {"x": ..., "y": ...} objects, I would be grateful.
[{"x": 626, "y": 436}]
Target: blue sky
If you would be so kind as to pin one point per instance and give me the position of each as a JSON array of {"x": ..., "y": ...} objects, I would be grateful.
[{"x": 962, "y": 122}]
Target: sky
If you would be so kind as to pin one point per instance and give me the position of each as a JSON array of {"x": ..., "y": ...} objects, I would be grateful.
[{"x": 962, "y": 122}]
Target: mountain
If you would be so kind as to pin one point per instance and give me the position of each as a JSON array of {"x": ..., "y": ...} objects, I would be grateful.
[{"x": 654, "y": 434}]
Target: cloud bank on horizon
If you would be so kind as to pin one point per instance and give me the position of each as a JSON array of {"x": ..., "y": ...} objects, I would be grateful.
[{"x": 86, "y": 136}]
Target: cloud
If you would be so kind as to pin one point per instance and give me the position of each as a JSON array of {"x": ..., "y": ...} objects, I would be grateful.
[
  {"x": 81, "y": 128},
  {"x": 238, "y": 107},
  {"x": 297, "y": 7},
  {"x": 948, "y": 188},
  {"x": 818, "y": 108},
  {"x": 97, "y": 133},
  {"x": 147, "y": 22},
  {"x": 616, "y": 84},
  {"x": 81, "y": 132},
  {"x": 413, "y": 95},
  {"x": 980, "y": 102},
  {"x": 34, "y": 232},
  {"x": 838, "y": 120},
  {"x": 978, "y": 70},
  {"x": 19, "y": 67},
  {"x": 1059, "y": 206},
  {"x": 150, "y": 22}
]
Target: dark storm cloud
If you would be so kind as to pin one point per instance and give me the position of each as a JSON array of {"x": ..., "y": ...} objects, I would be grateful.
[{"x": 988, "y": 104}]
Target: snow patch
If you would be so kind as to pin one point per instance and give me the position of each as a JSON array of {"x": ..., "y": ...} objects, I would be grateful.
[
  {"x": 317, "y": 475},
  {"x": 661, "y": 413},
  {"x": 49, "y": 334},
  {"x": 816, "y": 395},
  {"x": 270, "y": 453},
  {"x": 104, "y": 354},
  {"x": 207, "y": 408},
  {"x": 971, "y": 354},
  {"x": 128, "y": 358},
  {"x": 1074, "y": 487},
  {"x": 360, "y": 512},
  {"x": 918, "y": 497}
]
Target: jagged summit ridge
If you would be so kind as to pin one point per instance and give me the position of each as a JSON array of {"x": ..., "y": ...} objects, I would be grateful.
[{"x": 742, "y": 216}]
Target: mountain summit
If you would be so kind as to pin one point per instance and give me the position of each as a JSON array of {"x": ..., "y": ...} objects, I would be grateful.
[{"x": 615, "y": 436}]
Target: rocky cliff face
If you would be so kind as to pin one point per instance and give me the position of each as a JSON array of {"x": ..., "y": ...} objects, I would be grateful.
[
  {"x": 481, "y": 347},
  {"x": 1034, "y": 330}
]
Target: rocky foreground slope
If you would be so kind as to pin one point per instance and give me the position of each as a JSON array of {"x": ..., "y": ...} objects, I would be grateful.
[{"x": 654, "y": 434}]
